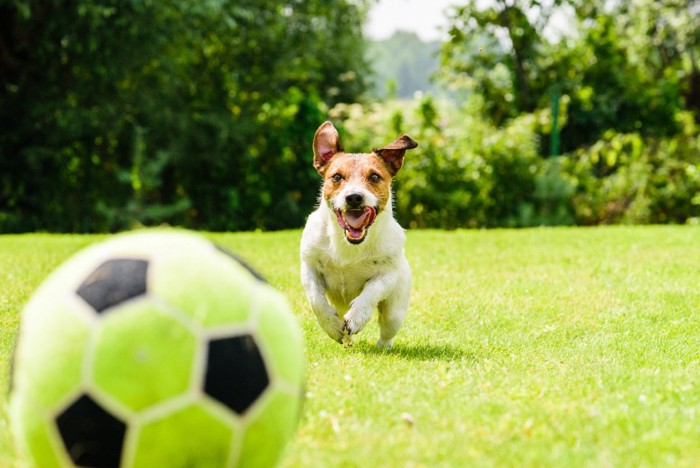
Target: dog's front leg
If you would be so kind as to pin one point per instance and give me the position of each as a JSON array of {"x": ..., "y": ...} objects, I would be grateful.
[
  {"x": 326, "y": 314},
  {"x": 362, "y": 307}
]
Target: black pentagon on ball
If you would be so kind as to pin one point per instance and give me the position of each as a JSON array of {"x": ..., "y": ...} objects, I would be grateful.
[
  {"x": 113, "y": 282},
  {"x": 91, "y": 435},
  {"x": 235, "y": 374}
]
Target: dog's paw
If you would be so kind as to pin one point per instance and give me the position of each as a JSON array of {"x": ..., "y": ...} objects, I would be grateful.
[
  {"x": 384, "y": 344},
  {"x": 346, "y": 341},
  {"x": 334, "y": 327},
  {"x": 355, "y": 321}
]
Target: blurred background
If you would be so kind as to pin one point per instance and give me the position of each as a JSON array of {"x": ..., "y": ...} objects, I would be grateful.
[{"x": 201, "y": 114}]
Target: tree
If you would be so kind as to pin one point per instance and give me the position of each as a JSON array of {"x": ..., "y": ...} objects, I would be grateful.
[
  {"x": 630, "y": 70},
  {"x": 628, "y": 66},
  {"x": 405, "y": 60},
  {"x": 497, "y": 49},
  {"x": 192, "y": 113}
]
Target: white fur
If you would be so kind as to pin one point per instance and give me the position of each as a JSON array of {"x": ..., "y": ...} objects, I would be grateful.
[
  {"x": 345, "y": 283},
  {"x": 338, "y": 200}
]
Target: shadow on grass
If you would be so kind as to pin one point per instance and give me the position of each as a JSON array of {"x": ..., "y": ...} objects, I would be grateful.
[{"x": 419, "y": 352}]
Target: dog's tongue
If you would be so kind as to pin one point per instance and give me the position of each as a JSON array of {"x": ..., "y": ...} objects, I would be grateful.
[
  {"x": 356, "y": 219},
  {"x": 356, "y": 222}
]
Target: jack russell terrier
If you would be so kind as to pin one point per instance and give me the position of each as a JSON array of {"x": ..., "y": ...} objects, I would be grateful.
[{"x": 346, "y": 269}]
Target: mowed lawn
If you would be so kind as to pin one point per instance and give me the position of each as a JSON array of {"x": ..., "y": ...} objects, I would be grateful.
[{"x": 538, "y": 347}]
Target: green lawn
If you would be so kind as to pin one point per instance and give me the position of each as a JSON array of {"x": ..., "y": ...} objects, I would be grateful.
[{"x": 540, "y": 347}]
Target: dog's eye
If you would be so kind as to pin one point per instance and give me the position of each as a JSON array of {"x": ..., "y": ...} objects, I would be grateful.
[
  {"x": 336, "y": 178},
  {"x": 374, "y": 178}
]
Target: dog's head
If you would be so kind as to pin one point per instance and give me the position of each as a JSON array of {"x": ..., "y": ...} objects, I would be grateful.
[{"x": 357, "y": 186}]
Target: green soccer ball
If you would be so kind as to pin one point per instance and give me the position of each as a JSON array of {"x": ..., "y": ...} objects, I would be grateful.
[{"x": 156, "y": 349}]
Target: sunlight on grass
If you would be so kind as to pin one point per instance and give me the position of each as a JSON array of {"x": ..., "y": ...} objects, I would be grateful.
[{"x": 555, "y": 347}]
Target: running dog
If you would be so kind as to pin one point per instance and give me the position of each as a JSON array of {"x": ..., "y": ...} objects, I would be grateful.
[{"x": 352, "y": 248}]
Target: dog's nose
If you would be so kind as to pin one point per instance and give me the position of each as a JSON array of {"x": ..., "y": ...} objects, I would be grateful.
[{"x": 354, "y": 200}]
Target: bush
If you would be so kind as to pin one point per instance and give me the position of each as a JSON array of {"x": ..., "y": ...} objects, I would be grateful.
[
  {"x": 208, "y": 126},
  {"x": 467, "y": 173},
  {"x": 625, "y": 178}
]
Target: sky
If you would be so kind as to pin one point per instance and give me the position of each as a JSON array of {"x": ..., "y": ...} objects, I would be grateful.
[{"x": 424, "y": 17}]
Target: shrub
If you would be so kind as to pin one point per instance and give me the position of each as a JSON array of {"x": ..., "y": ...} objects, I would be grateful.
[
  {"x": 467, "y": 173},
  {"x": 625, "y": 178}
]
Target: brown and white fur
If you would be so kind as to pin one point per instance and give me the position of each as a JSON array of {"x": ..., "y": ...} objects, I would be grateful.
[{"x": 352, "y": 248}]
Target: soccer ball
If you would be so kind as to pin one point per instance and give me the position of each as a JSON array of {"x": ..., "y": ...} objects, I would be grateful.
[{"x": 156, "y": 349}]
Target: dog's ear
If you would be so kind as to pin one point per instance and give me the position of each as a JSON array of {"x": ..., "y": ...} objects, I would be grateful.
[
  {"x": 393, "y": 154},
  {"x": 326, "y": 145}
]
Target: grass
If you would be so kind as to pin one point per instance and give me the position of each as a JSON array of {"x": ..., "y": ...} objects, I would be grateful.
[{"x": 541, "y": 347}]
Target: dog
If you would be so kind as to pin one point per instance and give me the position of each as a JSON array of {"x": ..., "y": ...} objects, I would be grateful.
[{"x": 352, "y": 248}]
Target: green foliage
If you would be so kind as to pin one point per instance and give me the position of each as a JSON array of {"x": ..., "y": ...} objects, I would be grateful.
[
  {"x": 625, "y": 178},
  {"x": 467, "y": 173},
  {"x": 406, "y": 61},
  {"x": 496, "y": 52},
  {"x": 611, "y": 89},
  {"x": 197, "y": 114},
  {"x": 629, "y": 80},
  {"x": 627, "y": 66},
  {"x": 115, "y": 114}
]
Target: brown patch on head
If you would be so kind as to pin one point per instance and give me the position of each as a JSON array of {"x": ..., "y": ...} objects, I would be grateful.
[
  {"x": 327, "y": 147},
  {"x": 368, "y": 171}
]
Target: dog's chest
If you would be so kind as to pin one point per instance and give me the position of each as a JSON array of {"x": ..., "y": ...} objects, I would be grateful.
[{"x": 345, "y": 281}]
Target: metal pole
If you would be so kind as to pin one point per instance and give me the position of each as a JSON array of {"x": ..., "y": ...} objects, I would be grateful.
[{"x": 555, "y": 121}]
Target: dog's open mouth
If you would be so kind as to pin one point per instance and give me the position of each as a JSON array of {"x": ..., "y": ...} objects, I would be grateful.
[{"x": 355, "y": 222}]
